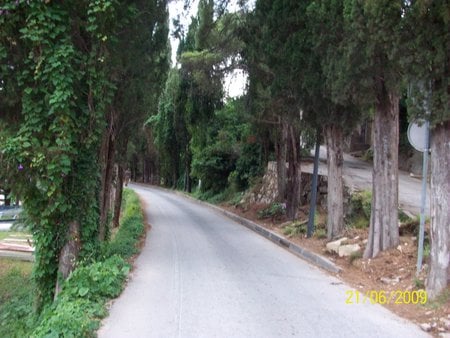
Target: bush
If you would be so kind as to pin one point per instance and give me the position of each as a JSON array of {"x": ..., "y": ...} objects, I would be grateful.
[
  {"x": 248, "y": 166},
  {"x": 275, "y": 210},
  {"x": 295, "y": 229},
  {"x": 81, "y": 304},
  {"x": 360, "y": 209},
  {"x": 212, "y": 165}
]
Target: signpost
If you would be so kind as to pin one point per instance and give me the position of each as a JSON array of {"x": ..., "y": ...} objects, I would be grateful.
[{"x": 419, "y": 136}]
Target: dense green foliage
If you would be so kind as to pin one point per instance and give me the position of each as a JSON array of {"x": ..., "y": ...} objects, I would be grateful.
[
  {"x": 72, "y": 76},
  {"x": 198, "y": 136},
  {"x": 53, "y": 151},
  {"x": 81, "y": 304},
  {"x": 428, "y": 66},
  {"x": 231, "y": 157}
]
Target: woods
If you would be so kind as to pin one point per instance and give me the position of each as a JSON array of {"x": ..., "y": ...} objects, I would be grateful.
[{"x": 87, "y": 91}]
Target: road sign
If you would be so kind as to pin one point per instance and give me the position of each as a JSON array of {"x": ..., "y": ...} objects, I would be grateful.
[{"x": 418, "y": 135}]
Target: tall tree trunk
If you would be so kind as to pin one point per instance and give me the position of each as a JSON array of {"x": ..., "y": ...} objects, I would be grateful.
[
  {"x": 294, "y": 175},
  {"x": 107, "y": 156},
  {"x": 118, "y": 197},
  {"x": 335, "y": 160},
  {"x": 68, "y": 255},
  {"x": 187, "y": 169},
  {"x": 383, "y": 231},
  {"x": 7, "y": 200},
  {"x": 440, "y": 210},
  {"x": 281, "y": 150}
]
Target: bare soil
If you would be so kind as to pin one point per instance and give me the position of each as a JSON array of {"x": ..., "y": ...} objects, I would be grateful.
[{"x": 391, "y": 271}]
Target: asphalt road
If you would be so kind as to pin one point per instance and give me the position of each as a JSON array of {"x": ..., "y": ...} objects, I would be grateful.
[
  {"x": 203, "y": 275},
  {"x": 358, "y": 176}
]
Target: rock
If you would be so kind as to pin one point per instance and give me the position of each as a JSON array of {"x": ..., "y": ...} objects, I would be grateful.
[
  {"x": 399, "y": 248},
  {"x": 392, "y": 281},
  {"x": 444, "y": 335},
  {"x": 347, "y": 250},
  {"x": 333, "y": 247},
  {"x": 425, "y": 326},
  {"x": 446, "y": 323},
  {"x": 356, "y": 238},
  {"x": 365, "y": 241}
]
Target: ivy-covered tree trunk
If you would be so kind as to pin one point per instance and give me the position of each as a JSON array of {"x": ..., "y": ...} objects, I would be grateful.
[
  {"x": 383, "y": 231},
  {"x": 118, "y": 195},
  {"x": 294, "y": 175},
  {"x": 68, "y": 255},
  {"x": 335, "y": 161},
  {"x": 440, "y": 210},
  {"x": 281, "y": 150}
]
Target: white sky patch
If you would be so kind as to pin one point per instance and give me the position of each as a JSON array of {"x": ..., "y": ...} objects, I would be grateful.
[{"x": 235, "y": 83}]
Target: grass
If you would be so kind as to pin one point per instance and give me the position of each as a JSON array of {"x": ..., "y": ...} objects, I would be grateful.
[
  {"x": 15, "y": 298},
  {"x": 6, "y": 234}
]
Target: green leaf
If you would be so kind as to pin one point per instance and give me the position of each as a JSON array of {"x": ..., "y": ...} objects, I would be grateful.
[{"x": 83, "y": 291}]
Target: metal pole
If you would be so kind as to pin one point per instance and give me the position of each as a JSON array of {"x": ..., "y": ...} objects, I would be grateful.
[
  {"x": 423, "y": 198},
  {"x": 312, "y": 208}
]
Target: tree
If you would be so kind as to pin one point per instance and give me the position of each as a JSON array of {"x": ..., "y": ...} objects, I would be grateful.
[
  {"x": 170, "y": 130},
  {"x": 138, "y": 65},
  {"x": 275, "y": 67},
  {"x": 337, "y": 116},
  {"x": 63, "y": 93},
  {"x": 429, "y": 77},
  {"x": 59, "y": 63},
  {"x": 370, "y": 75}
]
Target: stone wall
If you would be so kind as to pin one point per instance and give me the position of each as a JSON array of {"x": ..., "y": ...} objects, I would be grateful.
[{"x": 266, "y": 191}]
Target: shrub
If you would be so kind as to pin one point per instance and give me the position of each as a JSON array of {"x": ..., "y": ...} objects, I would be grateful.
[
  {"x": 275, "y": 210},
  {"x": 295, "y": 229},
  {"x": 81, "y": 304},
  {"x": 213, "y": 165},
  {"x": 360, "y": 209}
]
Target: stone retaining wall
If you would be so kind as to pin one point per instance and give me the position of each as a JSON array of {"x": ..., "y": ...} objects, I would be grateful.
[{"x": 266, "y": 191}]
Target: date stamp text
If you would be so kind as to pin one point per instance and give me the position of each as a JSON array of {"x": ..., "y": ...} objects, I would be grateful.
[{"x": 386, "y": 297}]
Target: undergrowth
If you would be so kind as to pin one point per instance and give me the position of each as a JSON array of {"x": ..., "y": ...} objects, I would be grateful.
[{"x": 81, "y": 304}]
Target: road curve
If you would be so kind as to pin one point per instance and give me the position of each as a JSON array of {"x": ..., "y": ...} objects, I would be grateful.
[{"x": 203, "y": 275}]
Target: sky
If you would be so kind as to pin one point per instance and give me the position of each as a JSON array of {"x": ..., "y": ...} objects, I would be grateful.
[{"x": 235, "y": 82}]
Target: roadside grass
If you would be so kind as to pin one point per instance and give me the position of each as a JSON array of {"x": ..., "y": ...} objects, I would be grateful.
[
  {"x": 6, "y": 234},
  {"x": 82, "y": 302},
  {"x": 16, "y": 292}
]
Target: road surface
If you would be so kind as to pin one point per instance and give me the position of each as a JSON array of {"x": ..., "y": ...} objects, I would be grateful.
[
  {"x": 202, "y": 275},
  {"x": 358, "y": 176}
]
